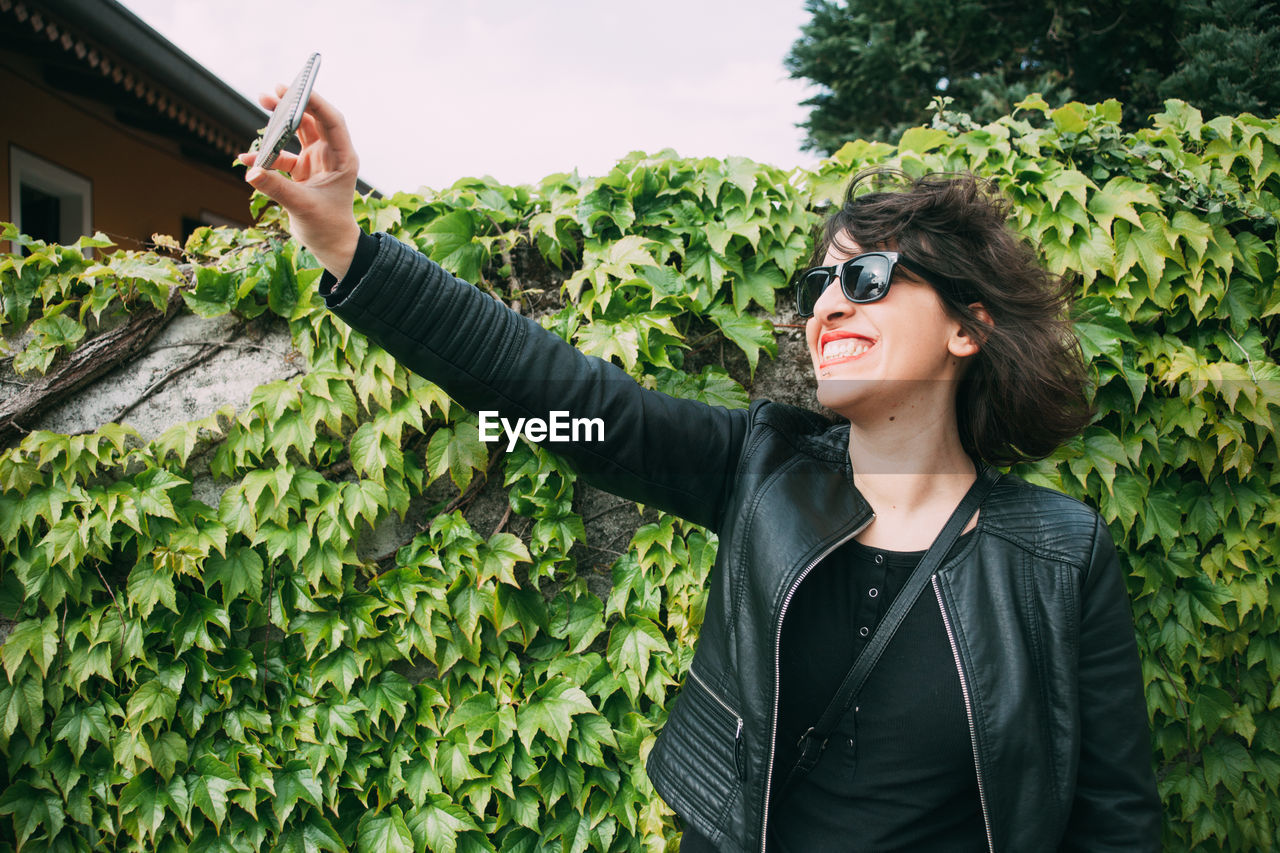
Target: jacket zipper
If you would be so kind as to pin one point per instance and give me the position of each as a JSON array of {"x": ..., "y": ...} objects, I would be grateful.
[
  {"x": 738, "y": 762},
  {"x": 968, "y": 710},
  {"x": 777, "y": 675}
]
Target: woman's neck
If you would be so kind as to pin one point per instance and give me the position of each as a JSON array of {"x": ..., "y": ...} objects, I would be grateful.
[{"x": 913, "y": 474}]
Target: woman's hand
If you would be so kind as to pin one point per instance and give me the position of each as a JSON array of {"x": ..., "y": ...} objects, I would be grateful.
[{"x": 321, "y": 181}]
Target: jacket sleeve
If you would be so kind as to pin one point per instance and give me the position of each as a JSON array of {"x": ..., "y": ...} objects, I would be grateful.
[
  {"x": 676, "y": 455},
  {"x": 1116, "y": 805}
]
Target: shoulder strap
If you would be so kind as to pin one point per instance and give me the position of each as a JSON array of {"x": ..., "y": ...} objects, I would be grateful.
[{"x": 815, "y": 739}]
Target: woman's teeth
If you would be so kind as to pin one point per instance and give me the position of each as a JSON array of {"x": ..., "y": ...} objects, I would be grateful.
[{"x": 844, "y": 348}]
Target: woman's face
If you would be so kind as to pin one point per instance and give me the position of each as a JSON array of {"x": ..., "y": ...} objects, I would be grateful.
[{"x": 883, "y": 360}]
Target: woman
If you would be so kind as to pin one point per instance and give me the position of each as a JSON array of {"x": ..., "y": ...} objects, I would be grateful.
[{"x": 1004, "y": 709}]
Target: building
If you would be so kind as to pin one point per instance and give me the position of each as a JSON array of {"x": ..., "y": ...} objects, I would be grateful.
[{"x": 107, "y": 126}]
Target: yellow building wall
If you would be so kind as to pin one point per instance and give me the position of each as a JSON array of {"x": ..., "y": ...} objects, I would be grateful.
[{"x": 142, "y": 185}]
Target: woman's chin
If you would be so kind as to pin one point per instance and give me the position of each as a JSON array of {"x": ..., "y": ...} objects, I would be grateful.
[{"x": 844, "y": 395}]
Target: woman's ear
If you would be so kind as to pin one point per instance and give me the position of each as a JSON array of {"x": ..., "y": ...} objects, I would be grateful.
[{"x": 962, "y": 344}]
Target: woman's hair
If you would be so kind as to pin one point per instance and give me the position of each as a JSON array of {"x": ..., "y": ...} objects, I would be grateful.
[{"x": 1022, "y": 394}]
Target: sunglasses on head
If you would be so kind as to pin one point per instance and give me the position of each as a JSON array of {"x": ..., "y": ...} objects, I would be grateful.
[{"x": 864, "y": 278}]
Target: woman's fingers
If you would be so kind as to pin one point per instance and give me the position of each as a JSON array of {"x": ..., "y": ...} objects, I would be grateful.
[
  {"x": 308, "y": 130},
  {"x": 332, "y": 126},
  {"x": 276, "y": 187},
  {"x": 287, "y": 161},
  {"x": 322, "y": 122}
]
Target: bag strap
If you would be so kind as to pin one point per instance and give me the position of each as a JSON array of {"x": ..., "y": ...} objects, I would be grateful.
[{"x": 813, "y": 741}]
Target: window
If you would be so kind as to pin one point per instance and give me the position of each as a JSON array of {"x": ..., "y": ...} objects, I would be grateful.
[{"x": 46, "y": 201}]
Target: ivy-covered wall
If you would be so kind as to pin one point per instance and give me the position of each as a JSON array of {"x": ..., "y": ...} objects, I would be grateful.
[{"x": 248, "y": 676}]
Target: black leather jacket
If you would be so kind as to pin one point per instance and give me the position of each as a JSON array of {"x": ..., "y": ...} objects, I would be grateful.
[{"x": 1034, "y": 603}]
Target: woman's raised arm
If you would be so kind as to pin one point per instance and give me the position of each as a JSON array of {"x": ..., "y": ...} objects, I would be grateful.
[{"x": 674, "y": 454}]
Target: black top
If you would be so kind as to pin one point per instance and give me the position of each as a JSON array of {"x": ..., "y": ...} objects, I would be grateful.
[{"x": 898, "y": 772}]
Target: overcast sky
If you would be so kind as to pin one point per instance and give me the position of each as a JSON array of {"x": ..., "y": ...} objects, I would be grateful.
[{"x": 435, "y": 90}]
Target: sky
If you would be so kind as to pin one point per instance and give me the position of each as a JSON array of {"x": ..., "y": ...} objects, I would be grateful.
[{"x": 436, "y": 90}]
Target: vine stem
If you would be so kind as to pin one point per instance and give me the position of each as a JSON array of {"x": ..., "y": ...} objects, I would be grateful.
[
  {"x": 502, "y": 522},
  {"x": 221, "y": 344},
  {"x": 206, "y": 353},
  {"x": 474, "y": 488},
  {"x": 607, "y": 510},
  {"x": 116, "y": 601},
  {"x": 266, "y": 636},
  {"x": 463, "y": 498}
]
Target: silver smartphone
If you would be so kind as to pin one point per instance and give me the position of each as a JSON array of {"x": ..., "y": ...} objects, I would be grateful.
[{"x": 287, "y": 115}]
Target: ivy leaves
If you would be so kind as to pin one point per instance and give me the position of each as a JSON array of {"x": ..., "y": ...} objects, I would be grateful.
[{"x": 270, "y": 673}]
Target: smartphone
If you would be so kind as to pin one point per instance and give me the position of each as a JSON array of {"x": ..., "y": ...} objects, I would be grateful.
[{"x": 287, "y": 115}]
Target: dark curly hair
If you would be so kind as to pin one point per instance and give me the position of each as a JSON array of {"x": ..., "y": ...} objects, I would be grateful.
[{"x": 1023, "y": 393}]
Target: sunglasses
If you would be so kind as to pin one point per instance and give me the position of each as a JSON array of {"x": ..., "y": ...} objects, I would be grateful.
[{"x": 864, "y": 278}]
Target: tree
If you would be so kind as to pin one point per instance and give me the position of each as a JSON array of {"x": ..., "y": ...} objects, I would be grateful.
[{"x": 880, "y": 63}]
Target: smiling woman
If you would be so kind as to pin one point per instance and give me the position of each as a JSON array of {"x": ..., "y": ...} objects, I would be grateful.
[
  {"x": 831, "y": 703},
  {"x": 1024, "y": 394}
]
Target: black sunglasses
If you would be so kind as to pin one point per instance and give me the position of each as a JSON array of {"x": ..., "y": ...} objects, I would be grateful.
[{"x": 865, "y": 278}]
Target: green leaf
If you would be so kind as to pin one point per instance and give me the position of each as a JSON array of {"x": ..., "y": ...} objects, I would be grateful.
[
  {"x": 922, "y": 139},
  {"x": 214, "y": 293},
  {"x": 37, "y": 639},
  {"x": 550, "y": 710},
  {"x": 32, "y": 809},
  {"x": 1117, "y": 199},
  {"x": 309, "y": 832},
  {"x": 576, "y": 618},
  {"x": 757, "y": 286},
  {"x": 609, "y": 341},
  {"x": 713, "y": 386},
  {"x": 390, "y": 694},
  {"x": 1100, "y": 451},
  {"x": 450, "y": 241},
  {"x": 76, "y": 723},
  {"x": 436, "y": 825},
  {"x": 458, "y": 451},
  {"x": 499, "y": 557},
  {"x": 384, "y": 833},
  {"x": 282, "y": 287},
  {"x": 340, "y": 668},
  {"x": 1147, "y": 246},
  {"x": 1103, "y": 333},
  {"x": 58, "y": 330},
  {"x": 152, "y": 701},
  {"x": 239, "y": 572},
  {"x": 1071, "y": 118},
  {"x": 209, "y": 782},
  {"x": 34, "y": 358},
  {"x": 1225, "y": 763},
  {"x": 192, "y": 626},
  {"x": 751, "y": 334},
  {"x": 631, "y": 645},
  {"x": 22, "y": 703},
  {"x": 168, "y": 752},
  {"x": 149, "y": 585},
  {"x": 294, "y": 782},
  {"x": 1069, "y": 182}
]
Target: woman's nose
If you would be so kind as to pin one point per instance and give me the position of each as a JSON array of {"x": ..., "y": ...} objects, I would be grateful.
[{"x": 832, "y": 304}]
